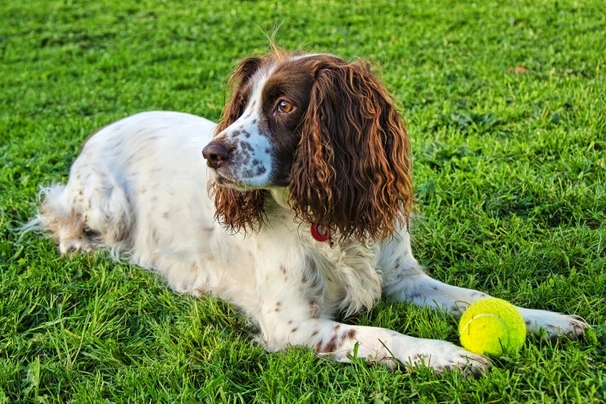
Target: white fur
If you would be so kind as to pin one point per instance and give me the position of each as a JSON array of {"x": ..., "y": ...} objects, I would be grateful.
[
  {"x": 250, "y": 144},
  {"x": 139, "y": 187}
]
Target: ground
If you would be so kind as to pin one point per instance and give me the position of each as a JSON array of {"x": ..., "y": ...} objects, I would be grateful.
[{"x": 505, "y": 107}]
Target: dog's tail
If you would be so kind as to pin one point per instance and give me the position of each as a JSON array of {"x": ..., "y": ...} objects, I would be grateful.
[{"x": 78, "y": 221}]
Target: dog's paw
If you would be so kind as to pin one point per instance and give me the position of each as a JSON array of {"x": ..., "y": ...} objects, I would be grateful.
[
  {"x": 554, "y": 325},
  {"x": 71, "y": 246},
  {"x": 442, "y": 356}
]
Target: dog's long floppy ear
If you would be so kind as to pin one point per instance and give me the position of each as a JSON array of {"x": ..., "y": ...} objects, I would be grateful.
[
  {"x": 353, "y": 168},
  {"x": 238, "y": 210}
]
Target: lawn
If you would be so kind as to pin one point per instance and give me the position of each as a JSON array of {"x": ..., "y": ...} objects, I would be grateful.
[{"x": 505, "y": 103}]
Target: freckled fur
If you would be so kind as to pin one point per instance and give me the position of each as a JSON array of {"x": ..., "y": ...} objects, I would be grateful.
[{"x": 237, "y": 233}]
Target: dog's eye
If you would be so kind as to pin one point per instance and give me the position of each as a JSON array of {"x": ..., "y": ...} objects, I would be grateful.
[{"x": 285, "y": 107}]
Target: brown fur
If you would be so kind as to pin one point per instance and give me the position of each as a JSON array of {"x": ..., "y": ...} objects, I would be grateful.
[
  {"x": 352, "y": 170},
  {"x": 236, "y": 209}
]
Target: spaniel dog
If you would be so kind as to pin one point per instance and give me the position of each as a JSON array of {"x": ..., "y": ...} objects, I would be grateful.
[{"x": 296, "y": 210}]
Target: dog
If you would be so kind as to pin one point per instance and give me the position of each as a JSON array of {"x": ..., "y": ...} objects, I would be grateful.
[{"x": 297, "y": 211}]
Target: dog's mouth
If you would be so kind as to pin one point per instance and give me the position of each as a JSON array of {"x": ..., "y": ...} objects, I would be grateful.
[
  {"x": 228, "y": 182},
  {"x": 222, "y": 180}
]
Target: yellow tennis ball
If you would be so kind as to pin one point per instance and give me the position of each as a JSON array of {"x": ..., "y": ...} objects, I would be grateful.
[{"x": 492, "y": 327}]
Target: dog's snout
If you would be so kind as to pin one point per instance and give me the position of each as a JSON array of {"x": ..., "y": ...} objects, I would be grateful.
[{"x": 215, "y": 153}]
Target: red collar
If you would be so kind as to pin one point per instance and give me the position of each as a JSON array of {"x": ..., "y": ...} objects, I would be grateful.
[{"x": 320, "y": 233}]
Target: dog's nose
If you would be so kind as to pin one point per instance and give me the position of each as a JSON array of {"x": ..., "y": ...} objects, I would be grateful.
[{"x": 215, "y": 153}]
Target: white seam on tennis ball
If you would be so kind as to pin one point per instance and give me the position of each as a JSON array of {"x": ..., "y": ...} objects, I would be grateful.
[
  {"x": 489, "y": 315},
  {"x": 499, "y": 319}
]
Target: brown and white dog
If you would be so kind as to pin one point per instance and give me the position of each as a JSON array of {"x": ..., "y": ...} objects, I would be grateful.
[{"x": 301, "y": 214}]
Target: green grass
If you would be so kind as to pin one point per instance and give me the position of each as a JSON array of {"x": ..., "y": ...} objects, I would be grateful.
[{"x": 510, "y": 170}]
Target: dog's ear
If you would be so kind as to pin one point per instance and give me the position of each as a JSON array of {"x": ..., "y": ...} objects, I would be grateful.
[
  {"x": 235, "y": 209},
  {"x": 352, "y": 171}
]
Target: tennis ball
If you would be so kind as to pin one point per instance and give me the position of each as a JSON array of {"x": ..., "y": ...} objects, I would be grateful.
[{"x": 492, "y": 327}]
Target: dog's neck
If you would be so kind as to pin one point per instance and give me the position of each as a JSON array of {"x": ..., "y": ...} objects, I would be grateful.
[{"x": 280, "y": 195}]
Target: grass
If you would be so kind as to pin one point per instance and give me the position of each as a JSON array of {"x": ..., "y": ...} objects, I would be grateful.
[{"x": 505, "y": 103}]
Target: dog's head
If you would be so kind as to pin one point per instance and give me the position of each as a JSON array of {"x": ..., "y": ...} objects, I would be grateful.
[{"x": 321, "y": 127}]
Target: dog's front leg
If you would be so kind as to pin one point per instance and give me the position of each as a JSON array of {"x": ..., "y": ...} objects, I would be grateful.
[
  {"x": 291, "y": 315},
  {"x": 405, "y": 280}
]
